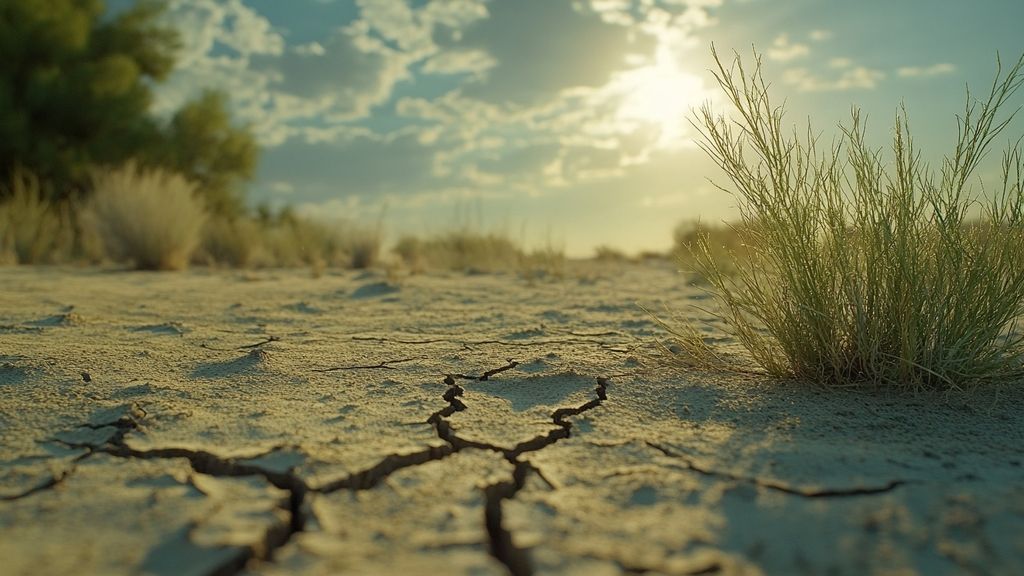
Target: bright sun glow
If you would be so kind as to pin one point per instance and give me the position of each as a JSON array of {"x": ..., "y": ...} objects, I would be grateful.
[{"x": 661, "y": 95}]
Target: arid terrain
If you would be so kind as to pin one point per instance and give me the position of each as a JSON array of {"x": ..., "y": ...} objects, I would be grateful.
[{"x": 270, "y": 423}]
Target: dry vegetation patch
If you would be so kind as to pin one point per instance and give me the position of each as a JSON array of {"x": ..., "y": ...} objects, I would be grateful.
[{"x": 863, "y": 269}]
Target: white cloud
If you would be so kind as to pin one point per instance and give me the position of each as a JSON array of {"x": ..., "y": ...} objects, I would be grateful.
[
  {"x": 850, "y": 78},
  {"x": 474, "y": 62},
  {"x": 311, "y": 90},
  {"x": 926, "y": 71},
  {"x": 783, "y": 49},
  {"x": 311, "y": 49},
  {"x": 572, "y": 124},
  {"x": 820, "y": 35}
]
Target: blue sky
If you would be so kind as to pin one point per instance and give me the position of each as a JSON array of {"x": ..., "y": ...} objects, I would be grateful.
[{"x": 555, "y": 119}]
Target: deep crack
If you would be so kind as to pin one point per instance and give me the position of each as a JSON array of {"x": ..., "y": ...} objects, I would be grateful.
[
  {"x": 204, "y": 462},
  {"x": 502, "y": 545},
  {"x": 804, "y": 493}
]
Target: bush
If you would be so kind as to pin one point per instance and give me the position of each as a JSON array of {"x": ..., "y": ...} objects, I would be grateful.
[
  {"x": 462, "y": 250},
  {"x": 32, "y": 230},
  {"x": 467, "y": 250},
  {"x": 292, "y": 240},
  {"x": 724, "y": 242},
  {"x": 862, "y": 272},
  {"x": 606, "y": 253},
  {"x": 229, "y": 241},
  {"x": 152, "y": 218}
]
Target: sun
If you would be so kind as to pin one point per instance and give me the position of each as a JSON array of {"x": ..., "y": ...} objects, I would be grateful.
[{"x": 660, "y": 95}]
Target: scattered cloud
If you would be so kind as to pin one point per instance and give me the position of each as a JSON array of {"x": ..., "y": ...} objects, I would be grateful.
[
  {"x": 783, "y": 49},
  {"x": 851, "y": 77},
  {"x": 311, "y": 91},
  {"x": 819, "y": 35},
  {"x": 475, "y": 62},
  {"x": 926, "y": 71}
]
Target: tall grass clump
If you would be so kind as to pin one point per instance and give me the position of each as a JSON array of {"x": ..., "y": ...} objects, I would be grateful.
[
  {"x": 32, "y": 229},
  {"x": 149, "y": 217},
  {"x": 867, "y": 270}
]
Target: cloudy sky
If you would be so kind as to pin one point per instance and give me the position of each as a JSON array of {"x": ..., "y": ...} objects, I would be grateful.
[{"x": 555, "y": 119}]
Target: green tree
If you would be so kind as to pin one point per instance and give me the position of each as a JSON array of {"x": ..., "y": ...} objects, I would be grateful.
[
  {"x": 205, "y": 146},
  {"x": 76, "y": 92},
  {"x": 74, "y": 87}
]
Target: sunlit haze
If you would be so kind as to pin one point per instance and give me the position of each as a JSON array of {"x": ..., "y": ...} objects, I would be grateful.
[{"x": 563, "y": 121}]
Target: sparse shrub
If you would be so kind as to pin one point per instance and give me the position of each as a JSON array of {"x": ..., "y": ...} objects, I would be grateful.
[
  {"x": 32, "y": 230},
  {"x": 467, "y": 250},
  {"x": 547, "y": 262},
  {"x": 463, "y": 250},
  {"x": 724, "y": 243},
  {"x": 151, "y": 218},
  {"x": 229, "y": 241},
  {"x": 363, "y": 246},
  {"x": 609, "y": 254},
  {"x": 289, "y": 240},
  {"x": 862, "y": 272},
  {"x": 652, "y": 256}
]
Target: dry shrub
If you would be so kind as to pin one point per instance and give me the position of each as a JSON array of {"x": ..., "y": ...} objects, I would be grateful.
[
  {"x": 463, "y": 250},
  {"x": 32, "y": 229},
  {"x": 467, "y": 250},
  {"x": 233, "y": 242},
  {"x": 862, "y": 271},
  {"x": 726, "y": 243},
  {"x": 605, "y": 253},
  {"x": 149, "y": 217}
]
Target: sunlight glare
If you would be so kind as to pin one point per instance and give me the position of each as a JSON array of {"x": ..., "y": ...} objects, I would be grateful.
[{"x": 660, "y": 95}]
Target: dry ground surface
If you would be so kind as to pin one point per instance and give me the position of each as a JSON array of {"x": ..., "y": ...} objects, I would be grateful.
[{"x": 270, "y": 423}]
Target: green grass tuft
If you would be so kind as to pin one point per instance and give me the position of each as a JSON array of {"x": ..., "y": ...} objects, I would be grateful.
[{"x": 862, "y": 271}]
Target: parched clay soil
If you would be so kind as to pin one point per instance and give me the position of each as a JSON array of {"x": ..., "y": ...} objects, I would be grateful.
[{"x": 270, "y": 423}]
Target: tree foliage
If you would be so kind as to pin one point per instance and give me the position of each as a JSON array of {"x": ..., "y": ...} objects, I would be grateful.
[
  {"x": 76, "y": 92},
  {"x": 204, "y": 146}
]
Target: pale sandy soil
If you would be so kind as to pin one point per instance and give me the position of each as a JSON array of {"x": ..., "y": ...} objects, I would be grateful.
[{"x": 270, "y": 423}]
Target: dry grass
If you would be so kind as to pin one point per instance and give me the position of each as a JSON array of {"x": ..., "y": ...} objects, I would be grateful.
[
  {"x": 467, "y": 250},
  {"x": 32, "y": 230},
  {"x": 288, "y": 240},
  {"x": 148, "y": 217},
  {"x": 862, "y": 271},
  {"x": 463, "y": 250},
  {"x": 726, "y": 243}
]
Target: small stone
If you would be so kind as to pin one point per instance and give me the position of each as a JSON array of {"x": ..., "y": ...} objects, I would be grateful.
[{"x": 86, "y": 377}]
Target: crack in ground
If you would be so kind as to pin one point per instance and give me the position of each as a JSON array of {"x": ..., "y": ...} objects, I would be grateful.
[
  {"x": 269, "y": 339},
  {"x": 501, "y": 545},
  {"x": 803, "y": 493},
  {"x": 49, "y": 483},
  {"x": 385, "y": 365},
  {"x": 485, "y": 376},
  {"x": 204, "y": 462},
  {"x": 468, "y": 344}
]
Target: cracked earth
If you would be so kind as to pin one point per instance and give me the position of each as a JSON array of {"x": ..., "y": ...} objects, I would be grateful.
[{"x": 268, "y": 423}]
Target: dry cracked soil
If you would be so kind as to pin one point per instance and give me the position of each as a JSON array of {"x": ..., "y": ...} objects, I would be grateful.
[{"x": 269, "y": 423}]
